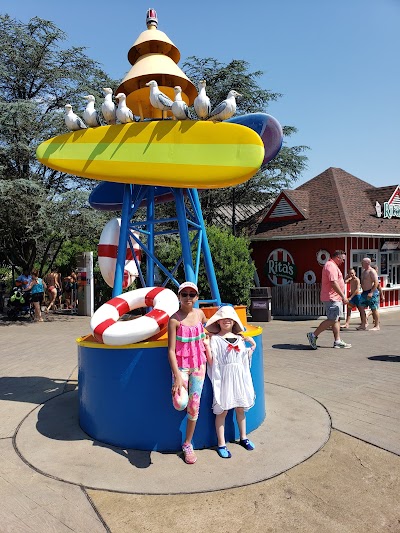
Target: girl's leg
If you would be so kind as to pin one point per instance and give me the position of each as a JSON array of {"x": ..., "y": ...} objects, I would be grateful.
[
  {"x": 53, "y": 295},
  {"x": 220, "y": 427},
  {"x": 241, "y": 421},
  {"x": 195, "y": 387},
  {"x": 38, "y": 314}
]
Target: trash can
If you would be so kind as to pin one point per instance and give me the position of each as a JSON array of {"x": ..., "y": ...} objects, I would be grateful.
[{"x": 260, "y": 307}]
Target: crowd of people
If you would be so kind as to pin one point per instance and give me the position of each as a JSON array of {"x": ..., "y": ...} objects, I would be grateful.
[
  {"x": 365, "y": 293},
  {"x": 50, "y": 293}
]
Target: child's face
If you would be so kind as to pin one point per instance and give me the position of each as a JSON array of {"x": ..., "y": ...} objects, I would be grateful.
[
  {"x": 352, "y": 273},
  {"x": 226, "y": 324}
]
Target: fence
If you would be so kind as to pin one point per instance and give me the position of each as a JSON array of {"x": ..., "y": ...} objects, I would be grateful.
[{"x": 297, "y": 299}]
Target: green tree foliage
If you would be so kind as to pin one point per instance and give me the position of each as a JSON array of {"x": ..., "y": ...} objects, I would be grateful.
[
  {"x": 232, "y": 262},
  {"x": 280, "y": 173},
  {"x": 41, "y": 208}
]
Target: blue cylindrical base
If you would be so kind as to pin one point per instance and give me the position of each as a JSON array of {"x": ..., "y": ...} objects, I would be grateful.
[{"x": 125, "y": 398}]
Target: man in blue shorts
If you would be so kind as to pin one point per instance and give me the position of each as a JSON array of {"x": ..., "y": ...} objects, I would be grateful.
[{"x": 370, "y": 295}]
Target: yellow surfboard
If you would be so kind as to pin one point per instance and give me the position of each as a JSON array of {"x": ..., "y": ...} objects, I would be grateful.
[{"x": 203, "y": 155}]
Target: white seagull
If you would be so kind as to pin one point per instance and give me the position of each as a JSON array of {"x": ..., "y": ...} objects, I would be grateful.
[
  {"x": 179, "y": 108},
  {"x": 124, "y": 114},
  {"x": 201, "y": 103},
  {"x": 90, "y": 115},
  {"x": 226, "y": 109},
  {"x": 158, "y": 99},
  {"x": 108, "y": 107},
  {"x": 72, "y": 121}
]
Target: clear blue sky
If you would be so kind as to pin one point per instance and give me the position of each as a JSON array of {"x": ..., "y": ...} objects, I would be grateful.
[{"x": 336, "y": 63}]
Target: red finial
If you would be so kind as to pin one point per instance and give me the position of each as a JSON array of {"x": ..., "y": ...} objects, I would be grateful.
[{"x": 151, "y": 18}]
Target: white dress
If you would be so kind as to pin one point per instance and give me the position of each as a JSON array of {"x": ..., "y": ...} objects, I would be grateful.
[{"x": 230, "y": 375}]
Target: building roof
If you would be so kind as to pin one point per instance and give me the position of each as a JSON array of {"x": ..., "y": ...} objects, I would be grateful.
[{"x": 333, "y": 203}]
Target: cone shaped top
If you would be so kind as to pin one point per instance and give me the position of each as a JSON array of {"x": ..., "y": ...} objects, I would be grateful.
[{"x": 153, "y": 41}]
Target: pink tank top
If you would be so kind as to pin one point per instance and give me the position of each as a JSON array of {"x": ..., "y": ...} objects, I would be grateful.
[{"x": 190, "y": 349}]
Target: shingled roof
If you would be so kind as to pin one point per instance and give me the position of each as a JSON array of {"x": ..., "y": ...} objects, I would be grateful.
[{"x": 334, "y": 202}]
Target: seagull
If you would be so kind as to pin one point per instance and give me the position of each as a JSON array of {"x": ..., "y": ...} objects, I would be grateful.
[
  {"x": 124, "y": 114},
  {"x": 108, "y": 107},
  {"x": 179, "y": 108},
  {"x": 72, "y": 121},
  {"x": 226, "y": 109},
  {"x": 158, "y": 99},
  {"x": 201, "y": 103},
  {"x": 90, "y": 115}
]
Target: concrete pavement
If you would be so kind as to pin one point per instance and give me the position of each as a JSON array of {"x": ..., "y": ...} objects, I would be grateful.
[{"x": 54, "y": 478}]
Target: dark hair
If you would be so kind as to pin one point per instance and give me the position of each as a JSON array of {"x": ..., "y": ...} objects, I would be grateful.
[
  {"x": 336, "y": 253},
  {"x": 35, "y": 273}
]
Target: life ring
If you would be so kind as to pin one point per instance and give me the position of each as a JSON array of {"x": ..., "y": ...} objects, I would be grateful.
[
  {"x": 107, "y": 254},
  {"x": 309, "y": 277},
  {"x": 108, "y": 330},
  {"x": 323, "y": 256}
]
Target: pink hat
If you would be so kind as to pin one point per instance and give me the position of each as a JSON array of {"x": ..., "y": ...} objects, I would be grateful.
[{"x": 188, "y": 285}]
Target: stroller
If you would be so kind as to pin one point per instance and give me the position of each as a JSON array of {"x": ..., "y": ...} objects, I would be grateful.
[{"x": 19, "y": 304}]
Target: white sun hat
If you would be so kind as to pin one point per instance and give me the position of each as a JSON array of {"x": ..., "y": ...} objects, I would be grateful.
[
  {"x": 188, "y": 285},
  {"x": 226, "y": 311}
]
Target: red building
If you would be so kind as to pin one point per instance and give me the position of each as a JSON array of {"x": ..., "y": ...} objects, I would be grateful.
[{"x": 333, "y": 211}]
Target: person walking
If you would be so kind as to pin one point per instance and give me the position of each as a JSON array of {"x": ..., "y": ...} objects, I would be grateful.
[
  {"x": 354, "y": 297},
  {"x": 381, "y": 298},
  {"x": 333, "y": 297},
  {"x": 37, "y": 288},
  {"x": 370, "y": 295}
]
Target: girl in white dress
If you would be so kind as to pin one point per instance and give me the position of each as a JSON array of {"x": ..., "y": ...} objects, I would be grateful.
[{"x": 229, "y": 372}]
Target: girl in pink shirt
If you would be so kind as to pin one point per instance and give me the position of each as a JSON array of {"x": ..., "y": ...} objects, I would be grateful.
[{"x": 187, "y": 347}]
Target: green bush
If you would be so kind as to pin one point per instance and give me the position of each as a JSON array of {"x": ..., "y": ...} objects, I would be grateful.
[{"x": 233, "y": 266}]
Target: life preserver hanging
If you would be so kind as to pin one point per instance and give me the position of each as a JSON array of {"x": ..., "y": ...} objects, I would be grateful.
[
  {"x": 107, "y": 328},
  {"x": 323, "y": 256},
  {"x": 107, "y": 254},
  {"x": 309, "y": 277}
]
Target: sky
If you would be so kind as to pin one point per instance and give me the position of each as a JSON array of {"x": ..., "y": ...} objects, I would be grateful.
[{"x": 336, "y": 64}]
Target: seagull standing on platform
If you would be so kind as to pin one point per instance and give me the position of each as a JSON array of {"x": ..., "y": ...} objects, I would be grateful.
[
  {"x": 179, "y": 108},
  {"x": 108, "y": 107},
  {"x": 158, "y": 99},
  {"x": 201, "y": 103},
  {"x": 226, "y": 109},
  {"x": 72, "y": 121},
  {"x": 90, "y": 115},
  {"x": 124, "y": 114}
]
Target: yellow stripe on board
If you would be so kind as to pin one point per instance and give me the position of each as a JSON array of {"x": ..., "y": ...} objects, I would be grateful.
[{"x": 178, "y": 154}]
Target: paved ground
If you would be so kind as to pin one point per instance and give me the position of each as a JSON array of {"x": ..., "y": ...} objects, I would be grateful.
[{"x": 351, "y": 483}]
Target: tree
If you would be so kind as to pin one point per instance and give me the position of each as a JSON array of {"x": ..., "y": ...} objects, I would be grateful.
[
  {"x": 232, "y": 263},
  {"x": 41, "y": 207},
  {"x": 280, "y": 173}
]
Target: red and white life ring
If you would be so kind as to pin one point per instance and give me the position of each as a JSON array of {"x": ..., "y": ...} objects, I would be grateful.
[
  {"x": 323, "y": 256},
  {"x": 107, "y": 328},
  {"x": 107, "y": 250},
  {"x": 309, "y": 277}
]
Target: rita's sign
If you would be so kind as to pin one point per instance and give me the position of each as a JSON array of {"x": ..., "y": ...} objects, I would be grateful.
[
  {"x": 391, "y": 208},
  {"x": 280, "y": 267}
]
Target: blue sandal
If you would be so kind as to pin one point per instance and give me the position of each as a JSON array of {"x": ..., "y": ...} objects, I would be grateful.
[
  {"x": 246, "y": 443},
  {"x": 224, "y": 452}
]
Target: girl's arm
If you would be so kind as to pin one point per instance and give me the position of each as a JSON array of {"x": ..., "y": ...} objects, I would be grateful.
[
  {"x": 172, "y": 327},
  {"x": 209, "y": 356},
  {"x": 251, "y": 341}
]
